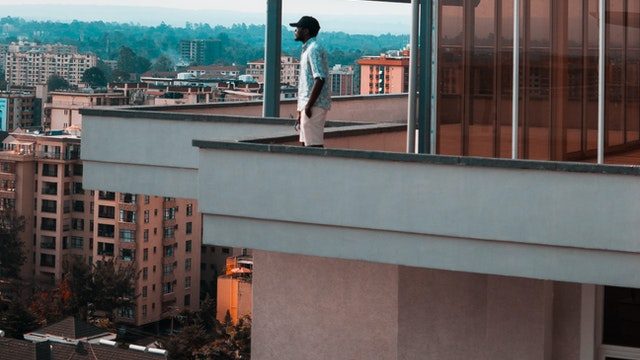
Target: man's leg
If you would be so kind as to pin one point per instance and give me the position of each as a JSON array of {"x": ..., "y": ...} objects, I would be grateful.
[{"x": 313, "y": 128}]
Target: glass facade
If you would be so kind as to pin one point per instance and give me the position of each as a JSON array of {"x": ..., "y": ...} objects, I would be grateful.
[{"x": 558, "y": 78}]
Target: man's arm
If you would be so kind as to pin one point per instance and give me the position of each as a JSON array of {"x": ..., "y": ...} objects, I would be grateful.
[{"x": 318, "y": 83}]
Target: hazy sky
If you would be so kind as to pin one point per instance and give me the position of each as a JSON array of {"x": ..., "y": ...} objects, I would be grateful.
[
  {"x": 289, "y": 6},
  {"x": 352, "y": 16}
]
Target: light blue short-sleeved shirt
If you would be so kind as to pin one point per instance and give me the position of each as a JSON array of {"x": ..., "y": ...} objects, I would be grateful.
[{"x": 314, "y": 64}]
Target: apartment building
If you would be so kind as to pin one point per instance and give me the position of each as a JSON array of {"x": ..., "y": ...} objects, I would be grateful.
[
  {"x": 289, "y": 71},
  {"x": 162, "y": 237},
  {"x": 215, "y": 71},
  {"x": 341, "y": 80},
  {"x": 385, "y": 74},
  {"x": 200, "y": 51},
  {"x": 4, "y": 48},
  {"x": 43, "y": 182},
  {"x": 64, "y": 108},
  {"x": 18, "y": 109},
  {"x": 42, "y": 178},
  {"x": 33, "y": 66}
]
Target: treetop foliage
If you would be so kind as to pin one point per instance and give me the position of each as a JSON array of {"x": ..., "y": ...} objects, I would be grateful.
[{"x": 241, "y": 42}]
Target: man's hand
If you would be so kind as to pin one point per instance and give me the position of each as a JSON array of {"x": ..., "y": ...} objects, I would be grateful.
[
  {"x": 308, "y": 112},
  {"x": 297, "y": 125}
]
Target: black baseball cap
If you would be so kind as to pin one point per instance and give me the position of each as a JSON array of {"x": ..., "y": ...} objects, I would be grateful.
[{"x": 307, "y": 22}]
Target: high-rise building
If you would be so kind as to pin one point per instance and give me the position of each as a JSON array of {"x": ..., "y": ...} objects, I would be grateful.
[
  {"x": 201, "y": 52},
  {"x": 41, "y": 178},
  {"x": 289, "y": 71},
  {"x": 18, "y": 109},
  {"x": 341, "y": 80},
  {"x": 4, "y": 48},
  {"x": 31, "y": 65},
  {"x": 385, "y": 74}
]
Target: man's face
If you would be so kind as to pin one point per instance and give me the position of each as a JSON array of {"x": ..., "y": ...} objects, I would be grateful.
[{"x": 300, "y": 34}]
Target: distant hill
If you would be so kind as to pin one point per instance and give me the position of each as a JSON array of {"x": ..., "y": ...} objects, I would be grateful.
[
  {"x": 152, "y": 16},
  {"x": 241, "y": 42}
]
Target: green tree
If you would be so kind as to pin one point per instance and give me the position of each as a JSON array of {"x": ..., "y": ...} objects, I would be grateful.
[
  {"x": 162, "y": 63},
  {"x": 17, "y": 320},
  {"x": 113, "y": 286},
  {"x": 78, "y": 280},
  {"x": 186, "y": 344},
  {"x": 232, "y": 343},
  {"x": 130, "y": 63},
  {"x": 12, "y": 255},
  {"x": 126, "y": 60},
  {"x": 94, "y": 77},
  {"x": 107, "y": 71},
  {"x": 57, "y": 82}
]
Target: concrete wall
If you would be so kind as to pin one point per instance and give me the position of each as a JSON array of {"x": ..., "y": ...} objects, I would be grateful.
[
  {"x": 320, "y": 308},
  {"x": 373, "y": 109},
  {"x": 560, "y": 225},
  {"x": 315, "y": 309}
]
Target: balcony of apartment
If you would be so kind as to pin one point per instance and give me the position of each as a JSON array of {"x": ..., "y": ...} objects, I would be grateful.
[
  {"x": 7, "y": 193},
  {"x": 127, "y": 200},
  {"x": 7, "y": 173},
  {"x": 362, "y": 198}
]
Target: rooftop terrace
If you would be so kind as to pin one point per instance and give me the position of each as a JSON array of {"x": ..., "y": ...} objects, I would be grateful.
[{"x": 568, "y": 221}]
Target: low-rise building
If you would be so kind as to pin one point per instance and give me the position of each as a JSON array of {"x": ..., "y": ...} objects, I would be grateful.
[
  {"x": 215, "y": 71},
  {"x": 289, "y": 73},
  {"x": 64, "y": 109},
  {"x": 235, "y": 296}
]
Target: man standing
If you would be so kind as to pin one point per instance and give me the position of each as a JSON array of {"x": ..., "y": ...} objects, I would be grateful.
[{"x": 314, "y": 100}]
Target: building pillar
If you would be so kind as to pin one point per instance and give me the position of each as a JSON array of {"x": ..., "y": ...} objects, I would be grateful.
[
  {"x": 413, "y": 77},
  {"x": 426, "y": 76},
  {"x": 272, "y": 54}
]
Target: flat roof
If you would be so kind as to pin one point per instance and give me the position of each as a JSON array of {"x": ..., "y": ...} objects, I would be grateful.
[{"x": 562, "y": 166}]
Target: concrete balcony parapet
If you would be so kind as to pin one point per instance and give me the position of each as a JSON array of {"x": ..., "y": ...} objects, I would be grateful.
[{"x": 544, "y": 220}]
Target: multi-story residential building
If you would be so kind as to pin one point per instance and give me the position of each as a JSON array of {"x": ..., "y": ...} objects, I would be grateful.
[
  {"x": 215, "y": 71},
  {"x": 289, "y": 71},
  {"x": 4, "y": 49},
  {"x": 31, "y": 66},
  {"x": 201, "y": 52},
  {"x": 341, "y": 80},
  {"x": 43, "y": 182},
  {"x": 162, "y": 237},
  {"x": 24, "y": 46},
  {"x": 18, "y": 109},
  {"x": 385, "y": 74},
  {"x": 41, "y": 177},
  {"x": 63, "y": 110}
]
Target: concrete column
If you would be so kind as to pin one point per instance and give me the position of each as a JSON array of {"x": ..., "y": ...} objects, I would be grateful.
[{"x": 272, "y": 54}]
